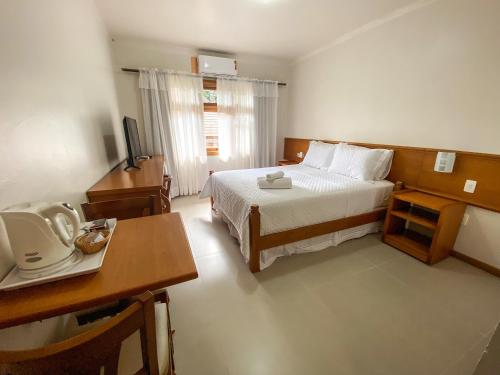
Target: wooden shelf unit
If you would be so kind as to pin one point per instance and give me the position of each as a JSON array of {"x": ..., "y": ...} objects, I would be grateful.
[{"x": 422, "y": 225}]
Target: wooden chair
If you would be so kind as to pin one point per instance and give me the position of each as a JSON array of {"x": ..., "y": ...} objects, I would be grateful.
[
  {"x": 121, "y": 209},
  {"x": 100, "y": 346},
  {"x": 165, "y": 194}
]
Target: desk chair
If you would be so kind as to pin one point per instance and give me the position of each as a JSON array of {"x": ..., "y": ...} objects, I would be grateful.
[
  {"x": 121, "y": 209},
  {"x": 134, "y": 340},
  {"x": 165, "y": 194}
]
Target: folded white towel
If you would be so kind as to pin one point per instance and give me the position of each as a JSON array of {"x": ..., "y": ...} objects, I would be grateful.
[
  {"x": 275, "y": 175},
  {"x": 279, "y": 183}
]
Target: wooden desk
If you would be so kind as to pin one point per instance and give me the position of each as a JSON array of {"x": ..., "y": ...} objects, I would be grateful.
[
  {"x": 121, "y": 184},
  {"x": 144, "y": 254}
]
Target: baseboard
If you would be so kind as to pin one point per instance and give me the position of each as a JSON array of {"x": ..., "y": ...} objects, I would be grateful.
[{"x": 476, "y": 263}]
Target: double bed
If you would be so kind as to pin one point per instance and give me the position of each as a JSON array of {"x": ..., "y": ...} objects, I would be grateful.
[{"x": 321, "y": 210}]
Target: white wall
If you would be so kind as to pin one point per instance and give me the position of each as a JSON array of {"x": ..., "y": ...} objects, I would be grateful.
[
  {"x": 428, "y": 78},
  {"x": 59, "y": 121},
  {"x": 139, "y": 53}
]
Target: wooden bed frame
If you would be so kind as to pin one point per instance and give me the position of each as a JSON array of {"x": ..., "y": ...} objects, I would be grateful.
[{"x": 259, "y": 243}]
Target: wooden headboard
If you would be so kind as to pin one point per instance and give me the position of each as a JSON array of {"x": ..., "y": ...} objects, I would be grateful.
[{"x": 415, "y": 167}]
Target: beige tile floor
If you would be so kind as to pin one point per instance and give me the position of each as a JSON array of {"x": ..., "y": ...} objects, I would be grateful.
[{"x": 359, "y": 308}]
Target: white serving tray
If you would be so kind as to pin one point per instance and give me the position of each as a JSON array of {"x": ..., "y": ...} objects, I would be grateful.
[{"x": 89, "y": 264}]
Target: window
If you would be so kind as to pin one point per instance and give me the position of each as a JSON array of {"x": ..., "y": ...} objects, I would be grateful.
[
  {"x": 211, "y": 127},
  {"x": 209, "y": 96},
  {"x": 210, "y": 121}
]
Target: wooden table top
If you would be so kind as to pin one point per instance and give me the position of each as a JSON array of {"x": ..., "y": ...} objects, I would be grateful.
[
  {"x": 425, "y": 200},
  {"x": 150, "y": 175},
  {"x": 144, "y": 254}
]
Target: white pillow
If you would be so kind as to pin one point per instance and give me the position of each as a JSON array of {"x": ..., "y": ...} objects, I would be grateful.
[
  {"x": 357, "y": 162},
  {"x": 385, "y": 165},
  {"x": 319, "y": 155}
]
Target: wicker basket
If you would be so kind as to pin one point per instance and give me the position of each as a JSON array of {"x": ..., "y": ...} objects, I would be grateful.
[{"x": 84, "y": 242}]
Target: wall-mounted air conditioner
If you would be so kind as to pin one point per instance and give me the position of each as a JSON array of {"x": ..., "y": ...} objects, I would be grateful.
[{"x": 217, "y": 65}]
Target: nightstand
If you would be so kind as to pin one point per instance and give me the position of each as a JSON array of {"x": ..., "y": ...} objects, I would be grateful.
[
  {"x": 422, "y": 225},
  {"x": 287, "y": 162}
]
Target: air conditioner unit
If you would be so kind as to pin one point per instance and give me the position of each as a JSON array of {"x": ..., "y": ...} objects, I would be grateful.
[{"x": 217, "y": 65}]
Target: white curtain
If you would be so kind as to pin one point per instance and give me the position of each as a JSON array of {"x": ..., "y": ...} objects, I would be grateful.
[
  {"x": 173, "y": 120},
  {"x": 265, "y": 106},
  {"x": 247, "y": 113},
  {"x": 236, "y": 130}
]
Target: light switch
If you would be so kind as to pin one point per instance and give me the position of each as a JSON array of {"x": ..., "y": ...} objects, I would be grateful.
[{"x": 470, "y": 186}]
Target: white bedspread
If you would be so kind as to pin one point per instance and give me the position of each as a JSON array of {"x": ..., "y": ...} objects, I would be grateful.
[{"x": 317, "y": 196}]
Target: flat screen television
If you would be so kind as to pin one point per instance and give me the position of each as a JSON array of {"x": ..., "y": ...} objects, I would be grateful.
[{"x": 133, "y": 143}]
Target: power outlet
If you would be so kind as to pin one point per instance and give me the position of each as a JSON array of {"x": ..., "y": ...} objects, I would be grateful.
[
  {"x": 470, "y": 186},
  {"x": 300, "y": 155}
]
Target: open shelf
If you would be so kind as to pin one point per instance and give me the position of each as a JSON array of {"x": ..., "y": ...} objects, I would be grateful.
[
  {"x": 413, "y": 243},
  {"x": 417, "y": 219}
]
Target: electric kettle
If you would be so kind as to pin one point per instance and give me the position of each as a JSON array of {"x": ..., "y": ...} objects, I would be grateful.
[{"x": 38, "y": 233}]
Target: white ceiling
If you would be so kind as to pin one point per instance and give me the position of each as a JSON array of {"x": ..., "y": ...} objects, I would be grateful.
[{"x": 286, "y": 29}]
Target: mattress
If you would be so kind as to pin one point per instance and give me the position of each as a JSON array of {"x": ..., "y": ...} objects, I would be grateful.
[{"x": 316, "y": 196}]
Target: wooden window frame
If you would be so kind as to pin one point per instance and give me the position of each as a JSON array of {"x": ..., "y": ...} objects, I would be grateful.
[{"x": 210, "y": 84}]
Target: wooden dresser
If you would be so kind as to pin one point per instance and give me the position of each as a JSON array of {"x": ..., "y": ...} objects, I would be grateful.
[{"x": 121, "y": 184}]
